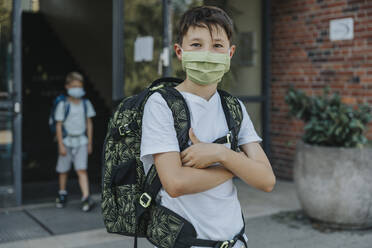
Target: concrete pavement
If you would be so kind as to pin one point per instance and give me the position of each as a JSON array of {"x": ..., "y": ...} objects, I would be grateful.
[{"x": 272, "y": 220}]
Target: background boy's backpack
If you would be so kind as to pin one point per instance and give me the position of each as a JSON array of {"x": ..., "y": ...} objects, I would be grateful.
[
  {"x": 128, "y": 195},
  {"x": 52, "y": 119}
]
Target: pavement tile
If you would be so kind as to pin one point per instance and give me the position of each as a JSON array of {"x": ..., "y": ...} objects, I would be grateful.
[
  {"x": 17, "y": 226},
  {"x": 293, "y": 229},
  {"x": 69, "y": 219}
]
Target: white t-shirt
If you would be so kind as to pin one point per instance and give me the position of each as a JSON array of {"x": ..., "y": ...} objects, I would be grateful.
[
  {"x": 75, "y": 123},
  {"x": 216, "y": 213}
]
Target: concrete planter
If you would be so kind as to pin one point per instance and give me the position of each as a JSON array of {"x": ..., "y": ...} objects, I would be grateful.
[{"x": 334, "y": 185}]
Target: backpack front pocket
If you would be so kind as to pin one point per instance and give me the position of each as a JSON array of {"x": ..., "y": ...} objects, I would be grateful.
[
  {"x": 124, "y": 174},
  {"x": 126, "y": 198},
  {"x": 120, "y": 208},
  {"x": 165, "y": 227}
]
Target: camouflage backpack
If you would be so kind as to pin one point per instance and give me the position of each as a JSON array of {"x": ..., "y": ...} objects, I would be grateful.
[{"x": 128, "y": 194}]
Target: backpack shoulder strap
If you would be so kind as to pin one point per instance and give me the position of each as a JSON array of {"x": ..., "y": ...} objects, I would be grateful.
[
  {"x": 61, "y": 99},
  {"x": 66, "y": 107},
  {"x": 180, "y": 112},
  {"x": 166, "y": 81},
  {"x": 182, "y": 124},
  {"x": 85, "y": 104},
  {"x": 233, "y": 114}
]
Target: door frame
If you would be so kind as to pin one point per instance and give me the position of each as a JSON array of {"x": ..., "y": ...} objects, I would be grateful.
[
  {"x": 17, "y": 99},
  {"x": 117, "y": 51},
  {"x": 266, "y": 75},
  {"x": 265, "y": 97},
  {"x": 16, "y": 108}
]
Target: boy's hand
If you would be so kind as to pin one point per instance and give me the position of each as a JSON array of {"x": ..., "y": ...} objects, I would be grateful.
[
  {"x": 62, "y": 150},
  {"x": 90, "y": 148},
  {"x": 200, "y": 155}
]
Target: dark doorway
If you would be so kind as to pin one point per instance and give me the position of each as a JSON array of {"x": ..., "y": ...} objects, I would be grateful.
[{"x": 51, "y": 48}]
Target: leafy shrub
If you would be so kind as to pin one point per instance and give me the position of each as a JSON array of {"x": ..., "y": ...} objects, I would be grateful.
[{"x": 328, "y": 120}]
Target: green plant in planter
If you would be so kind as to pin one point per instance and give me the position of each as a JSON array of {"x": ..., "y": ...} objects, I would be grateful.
[{"x": 329, "y": 121}]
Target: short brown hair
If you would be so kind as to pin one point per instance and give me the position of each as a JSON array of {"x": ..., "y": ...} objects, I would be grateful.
[
  {"x": 72, "y": 76},
  {"x": 205, "y": 16}
]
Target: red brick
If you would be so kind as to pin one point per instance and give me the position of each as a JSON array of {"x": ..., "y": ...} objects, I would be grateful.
[{"x": 291, "y": 43}]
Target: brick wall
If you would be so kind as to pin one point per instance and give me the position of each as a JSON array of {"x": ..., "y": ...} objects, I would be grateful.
[{"x": 303, "y": 55}]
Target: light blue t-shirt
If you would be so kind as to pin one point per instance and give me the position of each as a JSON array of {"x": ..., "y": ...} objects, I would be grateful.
[{"x": 75, "y": 123}]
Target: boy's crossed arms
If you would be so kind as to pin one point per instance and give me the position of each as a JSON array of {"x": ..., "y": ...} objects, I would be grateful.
[{"x": 188, "y": 172}]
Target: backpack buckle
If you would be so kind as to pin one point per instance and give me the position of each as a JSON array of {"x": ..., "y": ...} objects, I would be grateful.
[
  {"x": 228, "y": 137},
  {"x": 145, "y": 200},
  {"x": 227, "y": 244}
]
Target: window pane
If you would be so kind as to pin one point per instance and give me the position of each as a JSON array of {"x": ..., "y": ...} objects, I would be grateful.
[
  {"x": 178, "y": 8},
  {"x": 141, "y": 18},
  {"x": 5, "y": 47},
  {"x": 6, "y": 177},
  {"x": 244, "y": 77}
]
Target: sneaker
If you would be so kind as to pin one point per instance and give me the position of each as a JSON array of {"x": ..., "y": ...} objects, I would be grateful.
[
  {"x": 87, "y": 204},
  {"x": 61, "y": 200}
]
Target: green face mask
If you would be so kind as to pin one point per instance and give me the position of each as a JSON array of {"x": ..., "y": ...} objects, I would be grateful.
[{"x": 205, "y": 67}]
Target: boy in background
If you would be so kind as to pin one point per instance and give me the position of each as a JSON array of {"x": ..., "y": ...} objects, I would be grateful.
[{"x": 74, "y": 131}]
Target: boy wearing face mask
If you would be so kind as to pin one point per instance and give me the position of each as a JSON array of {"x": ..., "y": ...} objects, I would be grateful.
[
  {"x": 74, "y": 130},
  {"x": 197, "y": 182}
]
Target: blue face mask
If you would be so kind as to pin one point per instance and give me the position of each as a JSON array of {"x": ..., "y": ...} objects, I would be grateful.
[{"x": 76, "y": 92}]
